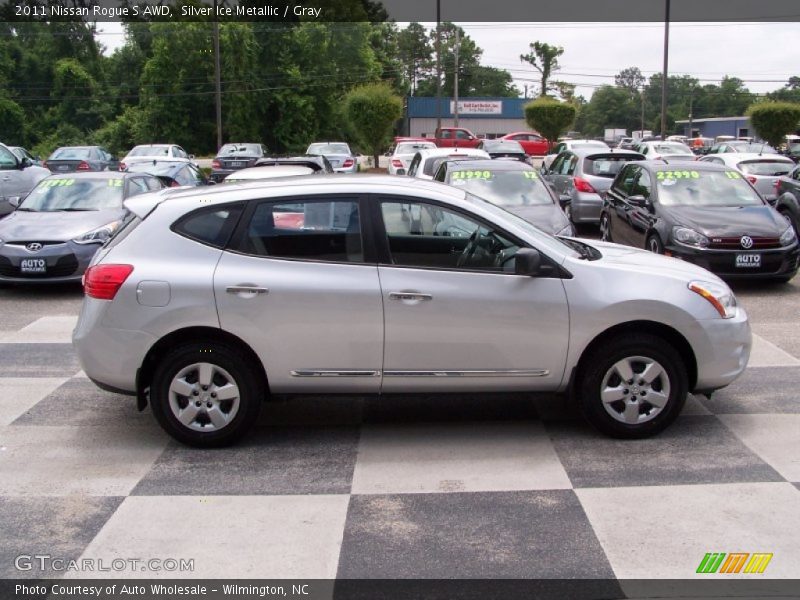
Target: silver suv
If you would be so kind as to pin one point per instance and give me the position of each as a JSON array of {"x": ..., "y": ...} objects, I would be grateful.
[{"x": 207, "y": 301}]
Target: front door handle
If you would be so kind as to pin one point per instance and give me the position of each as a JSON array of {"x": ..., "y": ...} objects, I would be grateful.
[
  {"x": 409, "y": 296},
  {"x": 246, "y": 289}
]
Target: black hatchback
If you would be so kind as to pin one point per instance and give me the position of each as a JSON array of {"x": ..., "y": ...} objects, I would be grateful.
[{"x": 701, "y": 213}]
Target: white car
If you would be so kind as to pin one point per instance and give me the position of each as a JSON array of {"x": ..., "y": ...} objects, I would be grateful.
[
  {"x": 403, "y": 154},
  {"x": 426, "y": 161},
  {"x": 667, "y": 151},
  {"x": 148, "y": 152},
  {"x": 571, "y": 145},
  {"x": 761, "y": 170},
  {"x": 268, "y": 172}
]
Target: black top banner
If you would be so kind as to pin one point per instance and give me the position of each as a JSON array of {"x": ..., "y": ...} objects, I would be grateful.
[{"x": 402, "y": 10}]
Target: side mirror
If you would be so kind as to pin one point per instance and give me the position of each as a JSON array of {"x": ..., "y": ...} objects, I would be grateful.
[
  {"x": 191, "y": 156},
  {"x": 24, "y": 163},
  {"x": 401, "y": 171},
  {"x": 14, "y": 201},
  {"x": 639, "y": 201},
  {"x": 527, "y": 261},
  {"x": 210, "y": 181},
  {"x": 564, "y": 199}
]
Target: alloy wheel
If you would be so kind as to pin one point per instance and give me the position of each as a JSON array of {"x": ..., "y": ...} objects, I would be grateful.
[{"x": 635, "y": 390}]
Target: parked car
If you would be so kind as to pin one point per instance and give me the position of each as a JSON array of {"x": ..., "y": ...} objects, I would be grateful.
[
  {"x": 747, "y": 146},
  {"x": 232, "y": 157},
  {"x": 762, "y": 170},
  {"x": 787, "y": 191},
  {"x": 532, "y": 143},
  {"x": 512, "y": 185},
  {"x": 455, "y": 137},
  {"x": 358, "y": 303},
  {"x": 583, "y": 175},
  {"x": 503, "y": 149},
  {"x": 339, "y": 154},
  {"x": 700, "y": 145},
  {"x": 315, "y": 163},
  {"x": 403, "y": 153},
  {"x": 666, "y": 151},
  {"x": 171, "y": 172},
  {"x": 426, "y": 161},
  {"x": 21, "y": 153},
  {"x": 572, "y": 145},
  {"x": 705, "y": 214},
  {"x": 58, "y": 227},
  {"x": 268, "y": 172},
  {"x": 626, "y": 143},
  {"x": 151, "y": 152},
  {"x": 17, "y": 177},
  {"x": 793, "y": 151},
  {"x": 68, "y": 159}
]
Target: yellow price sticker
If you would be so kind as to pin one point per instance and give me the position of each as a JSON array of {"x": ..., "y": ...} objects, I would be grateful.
[{"x": 684, "y": 174}]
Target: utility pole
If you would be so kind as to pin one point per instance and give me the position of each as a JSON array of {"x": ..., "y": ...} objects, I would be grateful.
[
  {"x": 664, "y": 75},
  {"x": 641, "y": 130},
  {"x": 217, "y": 79},
  {"x": 691, "y": 100},
  {"x": 455, "y": 82},
  {"x": 438, "y": 65}
]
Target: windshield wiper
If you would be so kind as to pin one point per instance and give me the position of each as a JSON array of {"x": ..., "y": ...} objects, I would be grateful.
[
  {"x": 27, "y": 209},
  {"x": 75, "y": 209},
  {"x": 582, "y": 250}
]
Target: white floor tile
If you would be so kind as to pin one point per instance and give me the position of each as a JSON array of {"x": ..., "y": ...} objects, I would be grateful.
[
  {"x": 766, "y": 354},
  {"x": 19, "y": 394},
  {"x": 775, "y": 438},
  {"x": 46, "y": 330},
  {"x": 664, "y": 532},
  {"x": 455, "y": 458}
]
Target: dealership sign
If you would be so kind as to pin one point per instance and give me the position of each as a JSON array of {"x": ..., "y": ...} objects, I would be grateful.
[{"x": 477, "y": 107}]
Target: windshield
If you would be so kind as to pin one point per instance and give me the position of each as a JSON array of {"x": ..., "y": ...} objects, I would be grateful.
[
  {"x": 160, "y": 168},
  {"x": 74, "y": 194},
  {"x": 68, "y": 153},
  {"x": 328, "y": 149},
  {"x": 240, "y": 149},
  {"x": 705, "y": 188},
  {"x": 774, "y": 168},
  {"x": 544, "y": 241},
  {"x": 509, "y": 189},
  {"x": 672, "y": 149},
  {"x": 412, "y": 148},
  {"x": 149, "y": 151}
]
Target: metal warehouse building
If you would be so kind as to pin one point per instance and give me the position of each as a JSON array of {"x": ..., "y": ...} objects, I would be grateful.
[
  {"x": 485, "y": 117},
  {"x": 712, "y": 127}
]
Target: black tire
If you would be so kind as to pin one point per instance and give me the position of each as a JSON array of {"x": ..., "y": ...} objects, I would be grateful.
[
  {"x": 602, "y": 360},
  {"x": 788, "y": 216},
  {"x": 605, "y": 228},
  {"x": 226, "y": 358},
  {"x": 654, "y": 244},
  {"x": 568, "y": 212}
]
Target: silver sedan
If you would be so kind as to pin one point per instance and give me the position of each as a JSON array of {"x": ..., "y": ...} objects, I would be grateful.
[{"x": 212, "y": 300}]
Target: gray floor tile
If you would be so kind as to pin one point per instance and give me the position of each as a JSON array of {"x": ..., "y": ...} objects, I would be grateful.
[
  {"x": 425, "y": 408},
  {"x": 59, "y": 527},
  {"x": 694, "y": 449},
  {"x": 312, "y": 410},
  {"x": 80, "y": 402},
  {"x": 271, "y": 460},
  {"x": 38, "y": 360},
  {"x": 535, "y": 534},
  {"x": 759, "y": 390}
]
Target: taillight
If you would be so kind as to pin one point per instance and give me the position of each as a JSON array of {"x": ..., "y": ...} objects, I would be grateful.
[
  {"x": 84, "y": 166},
  {"x": 174, "y": 184},
  {"x": 777, "y": 185},
  {"x": 103, "y": 281},
  {"x": 581, "y": 185},
  {"x": 215, "y": 164},
  {"x": 349, "y": 162},
  {"x": 44, "y": 164},
  {"x": 397, "y": 163},
  {"x": 752, "y": 179},
  {"x": 122, "y": 166}
]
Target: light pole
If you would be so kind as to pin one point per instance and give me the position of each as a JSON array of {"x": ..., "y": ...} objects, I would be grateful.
[
  {"x": 455, "y": 82},
  {"x": 438, "y": 65},
  {"x": 217, "y": 79},
  {"x": 664, "y": 75}
]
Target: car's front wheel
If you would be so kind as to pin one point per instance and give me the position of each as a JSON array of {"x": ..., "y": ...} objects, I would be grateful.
[
  {"x": 206, "y": 394},
  {"x": 654, "y": 244},
  {"x": 633, "y": 386}
]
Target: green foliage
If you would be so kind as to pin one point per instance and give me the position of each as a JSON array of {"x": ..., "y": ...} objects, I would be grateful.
[
  {"x": 549, "y": 117},
  {"x": 12, "y": 122},
  {"x": 544, "y": 58},
  {"x": 773, "y": 120},
  {"x": 371, "y": 111},
  {"x": 415, "y": 53}
]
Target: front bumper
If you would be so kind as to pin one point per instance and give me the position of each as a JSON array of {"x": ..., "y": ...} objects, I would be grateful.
[
  {"x": 779, "y": 262},
  {"x": 63, "y": 262},
  {"x": 722, "y": 349}
]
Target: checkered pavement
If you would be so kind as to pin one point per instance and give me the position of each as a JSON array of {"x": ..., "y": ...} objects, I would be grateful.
[{"x": 474, "y": 486}]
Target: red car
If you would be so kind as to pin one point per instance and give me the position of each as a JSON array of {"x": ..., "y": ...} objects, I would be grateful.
[{"x": 533, "y": 143}]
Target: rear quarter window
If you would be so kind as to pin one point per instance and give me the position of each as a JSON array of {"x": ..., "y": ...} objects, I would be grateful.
[{"x": 209, "y": 226}]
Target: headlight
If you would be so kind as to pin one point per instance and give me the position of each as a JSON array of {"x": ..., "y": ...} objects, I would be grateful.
[
  {"x": 568, "y": 231},
  {"x": 689, "y": 237},
  {"x": 788, "y": 237},
  {"x": 99, "y": 235},
  {"x": 718, "y": 295}
]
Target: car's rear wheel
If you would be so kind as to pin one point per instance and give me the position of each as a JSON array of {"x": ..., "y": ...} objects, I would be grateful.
[
  {"x": 654, "y": 244},
  {"x": 206, "y": 394},
  {"x": 633, "y": 386},
  {"x": 605, "y": 228}
]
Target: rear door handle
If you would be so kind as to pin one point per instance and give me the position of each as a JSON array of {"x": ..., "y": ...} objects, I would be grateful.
[
  {"x": 409, "y": 296},
  {"x": 245, "y": 289}
]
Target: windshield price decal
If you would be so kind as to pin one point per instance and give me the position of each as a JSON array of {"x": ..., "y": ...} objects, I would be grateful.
[
  {"x": 115, "y": 183},
  {"x": 472, "y": 175},
  {"x": 733, "y": 175},
  {"x": 662, "y": 175},
  {"x": 48, "y": 183}
]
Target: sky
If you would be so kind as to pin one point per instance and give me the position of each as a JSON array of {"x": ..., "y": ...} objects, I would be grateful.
[{"x": 764, "y": 55}]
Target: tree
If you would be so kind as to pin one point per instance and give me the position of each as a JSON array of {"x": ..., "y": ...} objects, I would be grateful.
[
  {"x": 631, "y": 79},
  {"x": 544, "y": 58},
  {"x": 415, "y": 52},
  {"x": 773, "y": 120},
  {"x": 549, "y": 117},
  {"x": 371, "y": 111}
]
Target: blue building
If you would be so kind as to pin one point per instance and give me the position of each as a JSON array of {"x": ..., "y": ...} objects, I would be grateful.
[
  {"x": 738, "y": 127},
  {"x": 485, "y": 117}
]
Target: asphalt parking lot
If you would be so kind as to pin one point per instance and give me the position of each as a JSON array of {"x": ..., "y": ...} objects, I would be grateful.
[{"x": 483, "y": 486}]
